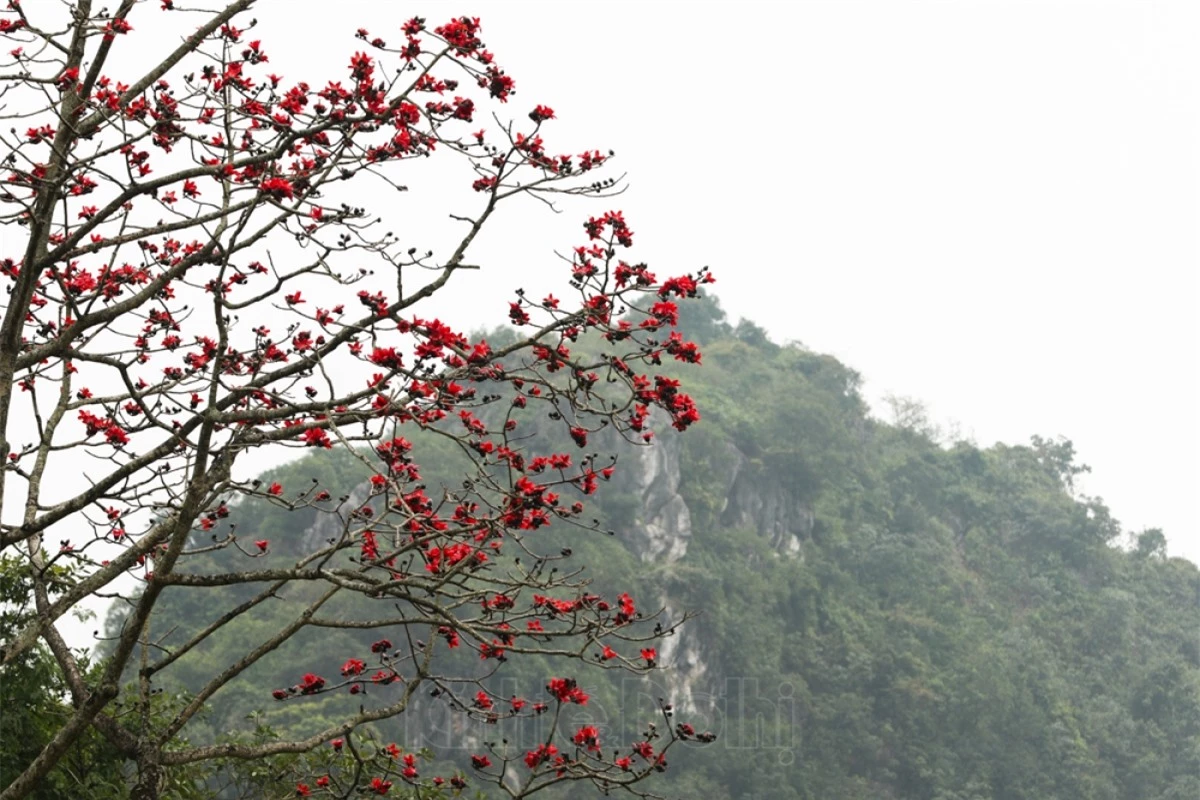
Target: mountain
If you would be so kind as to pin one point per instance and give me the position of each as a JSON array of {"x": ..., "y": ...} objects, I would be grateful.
[{"x": 880, "y": 615}]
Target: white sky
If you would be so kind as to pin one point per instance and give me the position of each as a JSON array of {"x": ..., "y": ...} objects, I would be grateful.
[{"x": 989, "y": 206}]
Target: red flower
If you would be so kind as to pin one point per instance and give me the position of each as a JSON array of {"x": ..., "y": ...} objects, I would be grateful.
[
  {"x": 277, "y": 187},
  {"x": 627, "y": 608},
  {"x": 385, "y": 677},
  {"x": 116, "y": 26},
  {"x": 650, "y": 655},
  {"x": 666, "y": 312},
  {"x": 684, "y": 286},
  {"x": 545, "y": 752},
  {"x": 608, "y": 653},
  {"x": 517, "y": 314},
  {"x": 387, "y": 357},
  {"x": 262, "y": 545},
  {"x": 36, "y": 135},
  {"x": 317, "y": 437},
  {"x": 353, "y": 666},
  {"x": 588, "y": 737},
  {"x": 275, "y": 489},
  {"x": 480, "y": 762},
  {"x": 380, "y": 786},
  {"x": 541, "y": 114},
  {"x": 566, "y": 690},
  {"x": 311, "y": 684}
]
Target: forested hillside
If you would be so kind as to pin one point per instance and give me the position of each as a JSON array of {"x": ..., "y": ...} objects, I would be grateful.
[{"x": 879, "y": 615}]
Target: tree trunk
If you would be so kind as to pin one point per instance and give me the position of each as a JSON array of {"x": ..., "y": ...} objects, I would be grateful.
[{"x": 149, "y": 775}]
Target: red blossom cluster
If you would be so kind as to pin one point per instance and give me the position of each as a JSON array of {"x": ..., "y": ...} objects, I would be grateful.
[{"x": 200, "y": 278}]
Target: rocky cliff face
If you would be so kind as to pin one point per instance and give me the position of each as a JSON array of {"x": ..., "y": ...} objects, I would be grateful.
[
  {"x": 757, "y": 502},
  {"x": 661, "y": 527},
  {"x": 751, "y": 499},
  {"x": 661, "y": 531}
]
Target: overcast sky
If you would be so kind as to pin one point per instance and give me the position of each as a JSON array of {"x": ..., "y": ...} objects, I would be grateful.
[{"x": 988, "y": 206}]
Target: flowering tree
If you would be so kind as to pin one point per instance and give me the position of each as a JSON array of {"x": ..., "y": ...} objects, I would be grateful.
[{"x": 196, "y": 278}]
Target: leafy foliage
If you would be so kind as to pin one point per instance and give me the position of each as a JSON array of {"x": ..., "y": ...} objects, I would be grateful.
[
  {"x": 33, "y": 685},
  {"x": 956, "y": 624}
]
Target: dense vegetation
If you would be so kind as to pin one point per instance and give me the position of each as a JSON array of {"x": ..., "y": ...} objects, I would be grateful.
[{"x": 957, "y": 623}]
